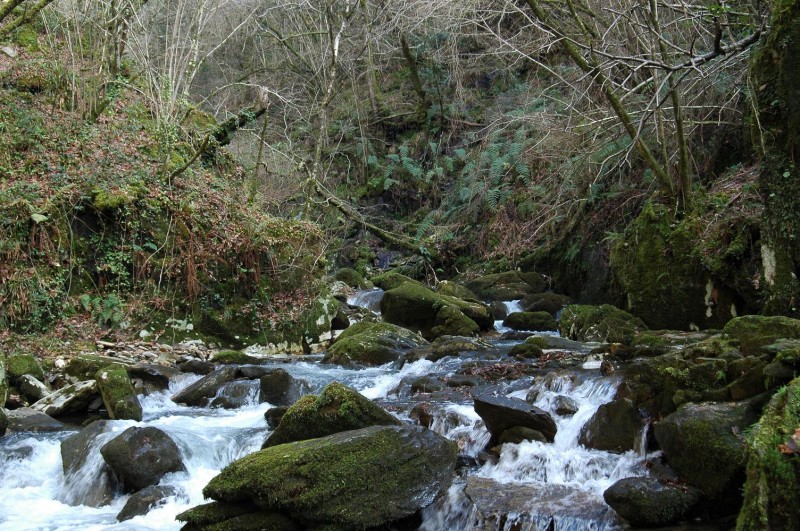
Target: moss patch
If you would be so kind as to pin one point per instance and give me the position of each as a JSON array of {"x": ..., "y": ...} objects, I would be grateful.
[
  {"x": 233, "y": 357},
  {"x": 533, "y": 321},
  {"x": 599, "y": 323},
  {"x": 372, "y": 344},
  {"x": 753, "y": 331},
  {"x": 392, "y": 280},
  {"x": 22, "y": 364},
  {"x": 118, "y": 394}
]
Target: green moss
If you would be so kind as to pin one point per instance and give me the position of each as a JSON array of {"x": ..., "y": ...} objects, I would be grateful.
[
  {"x": 534, "y": 321},
  {"x": 526, "y": 350},
  {"x": 599, "y": 323},
  {"x": 351, "y": 277},
  {"x": 507, "y": 286},
  {"x": 453, "y": 289},
  {"x": 85, "y": 366},
  {"x": 27, "y": 37},
  {"x": 212, "y": 513},
  {"x": 392, "y": 280},
  {"x": 22, "y": 364},
  {"x": 753, "y": 331},
  {"x": 772, "y": 487},
  {"x": 118, "y": 394},
  {"x": 338, "y": 408},
  {"x": 372, "y": 344}
]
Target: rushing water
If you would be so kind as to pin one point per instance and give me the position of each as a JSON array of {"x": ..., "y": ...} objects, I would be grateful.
[{"x": 35, "y": 494}]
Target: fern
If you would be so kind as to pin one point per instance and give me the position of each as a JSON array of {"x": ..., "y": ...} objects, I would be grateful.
[{"x": 493, "y": 198}]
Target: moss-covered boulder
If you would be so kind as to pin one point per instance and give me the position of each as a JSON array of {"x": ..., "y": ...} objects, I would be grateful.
[
  {"x": 392, "y": 280},
  {"x": 772, "y": 487},
  {"x": 433, "y": 315},
  {"x": 338, "y": 408},
  {"x": 118, "y": 394},
  {"x": 352, "y": 480},
  {"x": 351, "y": 277},
  {"x": 511, "y": 285},
  {"x": 216, "y": 516},
  {"x": 85, "y": 366},
  {"x": 372, "y": 344},
  {"x": 233, "y": 357},
  {"x": 531, "y": 321},
  {"x": 752, "y": 332},
  {"x": 454, "y": 289},
  {"x": 648, "y": 502},
  {"x": 544, "y": 302},
  {"x": 526, "y": 351},
  {"x": 703, "y": 443},
  {"x": 22, "y": 364},
  {"x": 599, "y": 323}
]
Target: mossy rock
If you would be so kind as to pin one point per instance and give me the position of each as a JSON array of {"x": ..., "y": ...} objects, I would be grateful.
[
  {"x": 453, "y": 289},
  {"x": 351, "y": 277},
  {"x": 599, "y": 323},
  {"x": 27, "y": 37},
  {"x": 526, "y": 350},
  {"x": 21, "y": 364},
  {"x": 511, "y": 285},
  {"x": 355, "y": 479},
  {"x": 545, "y": 302},
  {"x": 118, "y": 393},
  {"x": 3, "y": 381},
  {"x": 338, "y": 408},
  {"x": 233, "y": 357},
  {"x": 754, "y": 331},
  {"x": 218, "y": 516},
  {"x": 85, "y": 366},
  {"x": 433, "y": 315},
  {"x": 367, "y": 343},
  {"x": 531, "y": 321},
  {"x": 772, "y": 487},
  {"x": 392, "y": 280}
]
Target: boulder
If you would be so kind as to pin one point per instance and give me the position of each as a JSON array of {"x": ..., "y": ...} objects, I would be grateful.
[
  {"x": 92, "y": 486},
  {"x": 454, "y": 289},
  {"x": 508, "y": 286},
  {"x": 140, "y": 457},
  {"x": 274, "y": 415},
  {"x": 526, "y": 351},
  {"x": 647, "y": 502},
  {"x": 351, "y": 277},
  {"x": 31, "y": 388},
  {"x": 72, "y": 399},
  {"x": 703, "y": 444},
  {"x": 755, "y": 331},
  {"x": 615, "y": 427},
  {"x": 216, "y": 516},
  {"x": 372, "y": 344},
  {"x": 85, "y": 366},
  {"x": 206, "y": 388},
  {"x": 501, "y": 413},
  {"x": 235, "y": 394},
  {"x": 118, "y": 394},
  {"x": 432, "y": 315},
  {"x": 197, "y": 367},
  {"x": 19, "y": 365},
  {"x": 444, "y": 346},
  {"x": 280, "y": 388},
  {"x": 350, "y": 480},
  {"x": 531, "y": 321},
  {"x": 547, "y": 301},
  {"x": 233, "y": 357},
  {"x": 772, "y": 487},
  {"x": 565, "y": 406},
  {"x": 146, "y": 499},
  {"x": 605, "y": 323},
  {"x": 155, "y": 377},
  {"x": 426, "y": 384},
  {"x": 338, "y": 408},
  {"x": 392, "y": 280},
  {"x": 27, "y": 419},
  {"x": 519, "y": 434}
]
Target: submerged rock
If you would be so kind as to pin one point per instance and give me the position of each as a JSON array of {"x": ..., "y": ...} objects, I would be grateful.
[
  {"x": 338, "y": 408},
  {"x": 501, "y": 413},
  {"x": 140, "y": 457},
  {"x": 647, "y": 502},
  {"x": 355, "y": 479},
  {"x": 235, "y": 394},
  {"x": 372, "y": 344}
]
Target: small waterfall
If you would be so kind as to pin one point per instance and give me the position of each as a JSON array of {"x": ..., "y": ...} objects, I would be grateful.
[
  {"x": 369, "y": 299},
  {"x": 461, "y": 424}
]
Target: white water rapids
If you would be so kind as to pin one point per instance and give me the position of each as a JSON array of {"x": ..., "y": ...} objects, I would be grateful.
[{"x": 35, "y": 495}]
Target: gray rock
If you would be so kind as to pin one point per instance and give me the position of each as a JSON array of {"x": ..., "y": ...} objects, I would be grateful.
[
  {"x": 145, "y": 500},
  {"x": 614, "y": 427},
  {"x": 647, "y": 502},
  {"x": 27, "y": 419},
  {"x": 203, "y": 390},
  {"x": 72, "y": 399},
  {"x": 519, "y": 434},
  {"x": 565, "y": 406},
  {"x": 140, "y": 457},
  {"x": 87, "y": 482},
  {"x": 32, "y": 389},
  {"x": 235, "y": 394},
  {"x": 501, "y": 413},
  {"x": 156, "y": 376},
  {"x": 9, "y": 51},
  {"x": 280, "y": 388},
  {"x": 197, "y": 367}
]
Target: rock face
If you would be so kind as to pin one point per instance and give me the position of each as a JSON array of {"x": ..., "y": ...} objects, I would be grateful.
[
  {"x": 773, "y": 477},
  {"x": 599, "y": 323},
  {"x": 613, "y": 428},
  {"x": 531, "y": 321},
  {"x": 702, "y": 443},
  {"x": 372, "y": 344},
  {"x": 118, "y": 394},
  {"x": 144, "y": 500},
  {"x": 511, "y": 285},
  {"x": 432, "y": 315},
  {"x": 279, "y": 388},
  {"x": 352, "y": 480},
  {"x": 72, "y": 399},
  {"x": 338, "y": 408},
  {"x": 647, "y": 502},
  {"x": 500, "y": 414},
  {"x": 141, "y": 456}
]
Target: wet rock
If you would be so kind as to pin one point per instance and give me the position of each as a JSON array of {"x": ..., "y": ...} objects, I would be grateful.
[
  {"x": 519, "y": 434},
  {"x": 372, "y": 344},
  {"x": 94, "y": 488},
  {"x": 197, "y": 367},
  {"x": 613, "y": 428},
  {"x": 444, "y": 346},
  {"x": 69, "y": 400},
  {"x": 526, "y": 351},
  {"x": 564, "y": 406},
  {"x": 140, "y": 457},
  {"x": 460, "y": 380},
  {"x": 239, "y": 516},
  {"x": 407, "y": 467},
  {"x": 3, "y": 421},
  {"x": 340, "y": 320},
  {"x": 118, "y": 394},
  {"x": 280, "y": 388},
  {"x": 647, "y": 502},
  {"x": 31, "y": 388},
  {"x": 85, "y": 366},
  {"x": 607, "y": 368},
  {"x": 755, "y": 331},
  {"x": 203, "y": 390},
  {"x": 750, "y": 383},
  {"x": 547, "y": 301},
  {"x": 157, "y": 377},
  {"x": 499, "y": 310},
  {"x": 703, "y": 444},
  {"x": 536, "y": 506},
  {"x": 422, "y": 415},
  {"x": 235, "y": 394},
  {"x": 501, "y": 413},
  {"x": 599, "y": 323},
  {"x": 426, "y": 384},
  {"x": 508, "y": 286},
  {"x": 27, "y": 419},
  {"x": 274, "y": 415},
  {"x": 145, "y": 500},
  {"x": 433, "y": 315},
  {"x": 338, "y": 408},
  {"x": 531, "y": 321}
]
